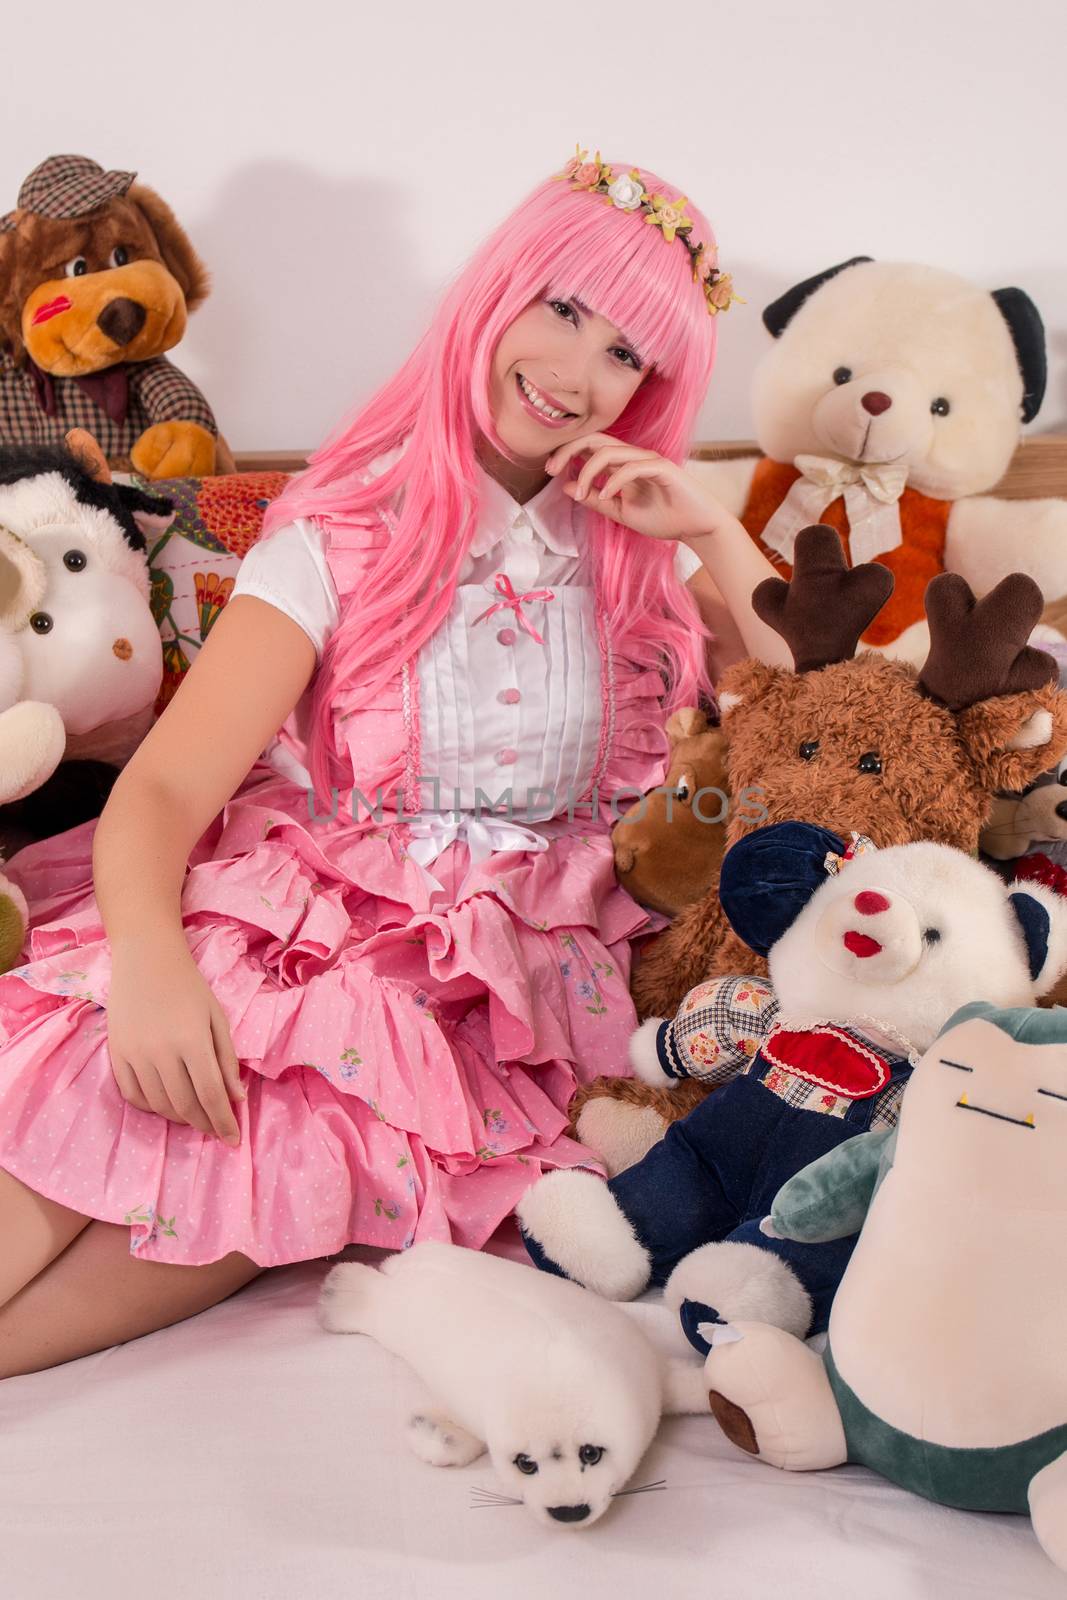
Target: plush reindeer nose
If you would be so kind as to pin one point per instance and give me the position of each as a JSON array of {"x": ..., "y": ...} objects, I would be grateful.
[
  {"x": 876, "y": 402},
  {"x": 870, "y": 903},
  {"x": 122, "y": 320}
]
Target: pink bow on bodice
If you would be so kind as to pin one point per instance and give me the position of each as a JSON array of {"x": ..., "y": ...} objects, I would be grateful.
[{"x": 515, "y": 602}]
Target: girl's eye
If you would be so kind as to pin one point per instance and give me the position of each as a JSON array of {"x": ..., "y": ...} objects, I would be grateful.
[
  {"x": 525, "y": 1465},
  {"x": 119, "y": 256},
  {"x": 76, "y": 268},
  {"x": 563, "y": 309},
  {"x": 627, "y": 357}
]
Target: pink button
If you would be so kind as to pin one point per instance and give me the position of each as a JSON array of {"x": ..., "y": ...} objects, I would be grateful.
[
  {"x": 509, "y": 697},
  {"x": 506, "y": 757},
  {"x": 506, "y": 636}
]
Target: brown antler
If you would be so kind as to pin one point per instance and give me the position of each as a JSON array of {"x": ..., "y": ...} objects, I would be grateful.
[
  {"x": 978, "y": 648},
  {"x": 823, "y": 609}
]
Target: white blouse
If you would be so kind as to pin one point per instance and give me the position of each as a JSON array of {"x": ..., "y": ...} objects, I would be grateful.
[{"x": 504, "y": 719}]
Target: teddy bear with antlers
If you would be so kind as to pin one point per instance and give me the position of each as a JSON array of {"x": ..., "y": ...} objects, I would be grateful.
[{"x": 854, "y": 743}]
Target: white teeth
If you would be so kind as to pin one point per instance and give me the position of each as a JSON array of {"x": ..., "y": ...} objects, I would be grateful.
[{"x": 535, "y": 400}]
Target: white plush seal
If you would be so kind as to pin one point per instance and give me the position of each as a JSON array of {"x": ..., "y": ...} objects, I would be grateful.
[{"x": 562, "y": 1388}]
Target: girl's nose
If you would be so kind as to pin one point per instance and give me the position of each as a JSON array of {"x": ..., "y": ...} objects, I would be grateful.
[{"x": 869, "y": 903}]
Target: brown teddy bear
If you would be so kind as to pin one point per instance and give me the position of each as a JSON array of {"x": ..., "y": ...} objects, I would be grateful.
[
  {"x": 97, "y": 279},
  {"x": 669, "y": 845},
  {"x": 862, "y": 744}
]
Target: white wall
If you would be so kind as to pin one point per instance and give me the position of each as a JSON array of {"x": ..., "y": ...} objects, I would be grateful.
[{"x": 335, "y": 162}]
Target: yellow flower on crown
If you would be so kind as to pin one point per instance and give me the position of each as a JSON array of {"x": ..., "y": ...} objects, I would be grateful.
[
  {"x": 669, "y": 215},
  {"x": 719, "y": 292}
]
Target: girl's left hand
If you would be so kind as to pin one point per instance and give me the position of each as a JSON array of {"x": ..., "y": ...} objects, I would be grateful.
[{"x": 638, "y": 488}]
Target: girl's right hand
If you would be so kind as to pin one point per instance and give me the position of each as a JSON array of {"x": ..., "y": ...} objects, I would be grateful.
[{"x": 169, "y": 1039}]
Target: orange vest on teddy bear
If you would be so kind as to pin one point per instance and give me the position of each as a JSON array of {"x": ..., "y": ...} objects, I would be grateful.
[{"x": 919, "y": 557}]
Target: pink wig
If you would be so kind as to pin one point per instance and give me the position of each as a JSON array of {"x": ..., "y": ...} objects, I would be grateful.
[{"x": 560, "y": 243}]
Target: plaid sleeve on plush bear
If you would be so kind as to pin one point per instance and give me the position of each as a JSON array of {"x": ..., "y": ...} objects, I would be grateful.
[
  {"x": 719, "y": 1027},
  {"x": 167, "y": 395}
]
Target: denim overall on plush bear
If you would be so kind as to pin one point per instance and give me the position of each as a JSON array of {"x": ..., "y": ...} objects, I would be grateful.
[{"x": 800, "y": 1096}]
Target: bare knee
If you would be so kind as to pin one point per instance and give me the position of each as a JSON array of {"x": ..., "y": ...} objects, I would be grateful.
[{"x": 96, "y": 1295}]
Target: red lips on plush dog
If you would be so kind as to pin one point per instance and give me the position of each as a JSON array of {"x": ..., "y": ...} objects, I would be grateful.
[{"x": 51, "y": 308}]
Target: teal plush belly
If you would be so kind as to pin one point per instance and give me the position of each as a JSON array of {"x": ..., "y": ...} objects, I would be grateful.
[{"x": 995, "y": 1479}]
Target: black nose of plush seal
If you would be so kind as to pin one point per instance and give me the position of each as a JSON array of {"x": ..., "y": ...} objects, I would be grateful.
[
  {"x": 569, "y": 1513},
  {"x": 122, "y": 320}
]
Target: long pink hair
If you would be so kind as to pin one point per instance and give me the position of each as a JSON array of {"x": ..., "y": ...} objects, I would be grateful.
[{"x": 559, "y": 243}]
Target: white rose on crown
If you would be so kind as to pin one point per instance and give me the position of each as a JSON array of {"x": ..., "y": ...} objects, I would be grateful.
[{"x": 626, "y": 192}]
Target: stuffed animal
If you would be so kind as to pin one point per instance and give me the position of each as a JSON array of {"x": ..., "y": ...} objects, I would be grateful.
[
  {"x": 862, "y": 744},
  {"x": 564, "y": 1390},
  {"x": 888, "y": 407},
  {"x": 669, "y": 845},
  {"x": 944, "y": 1366},
  {"x": 1016, "y": 822},
  {"x": 870, "y": 952},
  {"x": 97, "y": 278},
  {"x": 82, "y": 657}
]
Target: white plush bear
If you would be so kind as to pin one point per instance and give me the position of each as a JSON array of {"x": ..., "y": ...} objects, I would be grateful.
[
  {"x": 870, "y": 952},
  {"x": 889, "y": 405}
]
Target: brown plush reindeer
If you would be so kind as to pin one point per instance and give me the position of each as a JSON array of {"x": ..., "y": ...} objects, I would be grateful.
[{"x": 856, "y": 743}]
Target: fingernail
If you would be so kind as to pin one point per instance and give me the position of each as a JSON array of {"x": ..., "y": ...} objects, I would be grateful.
[{"x": 579, "y": 493}]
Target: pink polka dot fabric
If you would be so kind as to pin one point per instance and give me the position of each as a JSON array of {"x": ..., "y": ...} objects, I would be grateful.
[{"x": 409, "y": 1061}]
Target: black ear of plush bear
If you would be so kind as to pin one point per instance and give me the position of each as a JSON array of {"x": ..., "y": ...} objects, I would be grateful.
[
  {"x": 768, "y": 877},
  {"x": 780, "y": 313},
  {"x": 1028, "y": 336}
]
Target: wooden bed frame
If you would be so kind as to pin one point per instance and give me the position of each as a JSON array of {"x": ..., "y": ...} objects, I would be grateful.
[{"x": 1039, "y": 468}]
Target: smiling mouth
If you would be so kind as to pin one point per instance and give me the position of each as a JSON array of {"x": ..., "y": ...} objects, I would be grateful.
[
  {"x": 537, "y": 401},
  {"x": 1001, "y": 1116}
]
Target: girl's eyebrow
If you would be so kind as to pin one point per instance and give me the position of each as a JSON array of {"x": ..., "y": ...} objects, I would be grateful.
[{"x": 587, "y": 311}]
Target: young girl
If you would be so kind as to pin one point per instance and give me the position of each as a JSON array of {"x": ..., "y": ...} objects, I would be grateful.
[{"x": 359, "y": 1015}]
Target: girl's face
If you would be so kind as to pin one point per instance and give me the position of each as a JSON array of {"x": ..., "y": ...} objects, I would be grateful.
[{"x": 560, "y": 371}]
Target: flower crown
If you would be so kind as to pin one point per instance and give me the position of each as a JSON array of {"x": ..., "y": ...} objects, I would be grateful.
[{"x": 627, "y": 193}]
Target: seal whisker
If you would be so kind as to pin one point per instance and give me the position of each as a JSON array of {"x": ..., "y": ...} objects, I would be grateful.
[{"x": 642, "y": 1488}]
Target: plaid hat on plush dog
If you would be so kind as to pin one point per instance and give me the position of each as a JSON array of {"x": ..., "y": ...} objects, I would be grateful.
[{"x": 68, "y": 186}]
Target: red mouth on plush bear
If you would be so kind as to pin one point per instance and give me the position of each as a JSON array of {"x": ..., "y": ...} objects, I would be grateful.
[{"x": 861, "y": 944}]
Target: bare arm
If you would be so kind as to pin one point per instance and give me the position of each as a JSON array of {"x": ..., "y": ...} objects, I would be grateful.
[
  {"x": 169, "y": 1040},
  {"x": 726, "y": 645},
  {"x": 735, "y": 565}
]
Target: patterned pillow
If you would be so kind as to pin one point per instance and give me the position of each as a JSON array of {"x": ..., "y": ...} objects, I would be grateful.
[{"x": 193, "y": 563}]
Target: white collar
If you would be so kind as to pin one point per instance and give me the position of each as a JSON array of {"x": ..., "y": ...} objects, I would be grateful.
[{"x": 549, "y": 515}]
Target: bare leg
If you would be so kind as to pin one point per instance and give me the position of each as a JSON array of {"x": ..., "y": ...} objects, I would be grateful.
[
  {"x": 33, "y": 1232},
  {"x": 96, "y": 1295}
]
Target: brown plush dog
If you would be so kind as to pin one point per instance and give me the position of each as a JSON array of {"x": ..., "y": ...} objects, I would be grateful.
[
  {"x": 97, "y": 279},
  {"x": 669, "y": 845},
  {"x": 865, "y": 744}
]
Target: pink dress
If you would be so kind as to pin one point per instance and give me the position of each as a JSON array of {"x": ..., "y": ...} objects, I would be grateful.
[{"x": 409, "y": 1039}]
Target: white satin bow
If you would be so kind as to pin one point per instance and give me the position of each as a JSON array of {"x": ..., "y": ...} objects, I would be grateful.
[
  {"x": 871, "y": 490},
  {"x": 433, "y": 831}
]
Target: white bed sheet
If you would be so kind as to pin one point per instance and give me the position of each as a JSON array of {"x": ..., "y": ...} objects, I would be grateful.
[{"x": 248, "y": 1455}]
